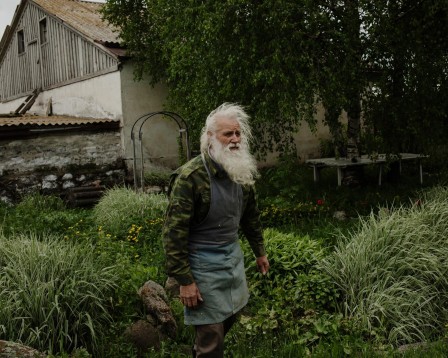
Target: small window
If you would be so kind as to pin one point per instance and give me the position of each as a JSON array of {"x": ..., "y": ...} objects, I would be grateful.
[
  {"x": 43, "y": 30},
  {"x": 21, "y": 41}
]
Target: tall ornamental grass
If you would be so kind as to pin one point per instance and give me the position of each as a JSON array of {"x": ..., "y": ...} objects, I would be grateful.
[
  {"x": 54, "y": 295},
  {"x": 393, "y": 271},
  {"x": 121, "y": 208}
]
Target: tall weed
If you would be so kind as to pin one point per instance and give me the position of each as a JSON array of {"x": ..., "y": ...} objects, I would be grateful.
[{"x": 392, "y": 271}]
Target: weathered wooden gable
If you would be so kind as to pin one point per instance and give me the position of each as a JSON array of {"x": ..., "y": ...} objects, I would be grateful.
[{"x": 45, "y": 52}]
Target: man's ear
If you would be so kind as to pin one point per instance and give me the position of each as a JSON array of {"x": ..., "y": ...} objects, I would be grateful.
[{"x": 209, "y": 134}]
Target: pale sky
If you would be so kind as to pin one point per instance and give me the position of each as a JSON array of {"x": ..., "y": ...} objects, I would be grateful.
[{"x": 7, "y": 8}]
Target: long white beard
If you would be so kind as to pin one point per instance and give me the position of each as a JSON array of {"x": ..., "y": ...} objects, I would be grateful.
[{"x": 239, "y": 164}]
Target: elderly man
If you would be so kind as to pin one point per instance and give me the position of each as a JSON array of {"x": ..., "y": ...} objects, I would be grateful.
[{"x": 211, "y": 197}]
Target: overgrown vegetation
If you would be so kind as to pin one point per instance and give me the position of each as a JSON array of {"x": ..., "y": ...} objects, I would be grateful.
[
  {"x": 392, "y": 271},
  {"x": 294, "y": 293},
  {"x": 358, "y": 287},
  {"x": 121, "y": 209},
  {"x": 39, "y": 214},
  {"x": 54, "y": 294}
]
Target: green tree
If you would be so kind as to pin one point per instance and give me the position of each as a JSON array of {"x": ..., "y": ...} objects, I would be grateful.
[
  {"x": 408, "y": 46},
  {"x": 280, "y": 58},
  {"x": 339, "y": 67},
  {"x": 252, "y": 52}
]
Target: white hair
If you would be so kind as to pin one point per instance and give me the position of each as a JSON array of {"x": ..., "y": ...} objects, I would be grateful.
[
  {"x": 231, "y": 111},
  {"x": 240, "y": 165}
]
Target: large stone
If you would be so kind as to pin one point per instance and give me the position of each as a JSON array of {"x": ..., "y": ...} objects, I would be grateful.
[
  {"x": 156, "y": 303},
  {"x": 340, "y": 215},
  {"x": 15, "y": 350},
  {"x": 143, "y": 335}
]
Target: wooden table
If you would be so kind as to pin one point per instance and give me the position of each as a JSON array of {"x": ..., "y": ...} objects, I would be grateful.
[{"x": 380, "y": 159}]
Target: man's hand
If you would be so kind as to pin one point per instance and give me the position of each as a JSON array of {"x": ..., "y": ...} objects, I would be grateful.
[
  {"x": 190, "y": 295},
  {"x": 263, "y": 264}
]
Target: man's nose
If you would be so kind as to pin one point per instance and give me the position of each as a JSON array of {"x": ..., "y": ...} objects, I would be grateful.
[{"x": 235, "y": 138}]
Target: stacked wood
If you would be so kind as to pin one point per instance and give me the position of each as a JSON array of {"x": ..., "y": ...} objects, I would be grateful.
[{"x": 84, "y": 196}]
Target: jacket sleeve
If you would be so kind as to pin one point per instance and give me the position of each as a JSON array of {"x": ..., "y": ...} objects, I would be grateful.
[
  {"x": 250, "y": 223},
  {"x": 176, "y": 229}
]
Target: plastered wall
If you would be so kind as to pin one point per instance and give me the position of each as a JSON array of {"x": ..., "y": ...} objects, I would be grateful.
[{"x": 159, "y": 134}]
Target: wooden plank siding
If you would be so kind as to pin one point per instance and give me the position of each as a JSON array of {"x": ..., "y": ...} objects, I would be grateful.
[{"x": 67, "y": 56}]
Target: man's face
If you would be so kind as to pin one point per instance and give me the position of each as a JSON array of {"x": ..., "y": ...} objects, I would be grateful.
[{"x": 228, "y": 132}]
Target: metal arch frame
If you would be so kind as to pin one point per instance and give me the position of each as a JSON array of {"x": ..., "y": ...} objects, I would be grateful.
[{"x": 183, "y": 128}]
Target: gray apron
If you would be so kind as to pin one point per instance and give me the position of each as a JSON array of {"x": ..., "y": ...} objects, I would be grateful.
[{"x": 216, "y": 258}]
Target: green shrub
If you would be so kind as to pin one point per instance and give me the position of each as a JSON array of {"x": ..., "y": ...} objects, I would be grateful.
[
  {"x": 135, "y": 264},
  {"x": 125, "y": 213},
  {"x": 129, "y": 229},
  {"x": 280, "y": 213},
  {"x": 288, "y": 180},
  {"x": 55, "y": 295},
  {"x": 39, "y": 214},
  {"x": 37, "y": 202},
  {"x": 294, "y": 292},
  {"x": 129, "y": 236},
  {"x": 392, "y": 271}
]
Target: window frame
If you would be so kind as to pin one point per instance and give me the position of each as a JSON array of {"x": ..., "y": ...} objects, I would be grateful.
[
  {"x": 43, "y": 30},
  {"x": 21, "y": 42}
]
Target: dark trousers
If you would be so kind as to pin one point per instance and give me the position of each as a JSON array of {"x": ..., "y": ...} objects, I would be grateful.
[{"x": 209, "y": 340}]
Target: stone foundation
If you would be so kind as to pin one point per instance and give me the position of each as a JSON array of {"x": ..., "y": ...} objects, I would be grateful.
[{"x": 60, "y": 181}]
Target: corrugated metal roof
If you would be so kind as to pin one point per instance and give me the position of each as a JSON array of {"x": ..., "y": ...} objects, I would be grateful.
[
  {"x": 84, "y": 16},
  {"x": 45, "y": 121}
]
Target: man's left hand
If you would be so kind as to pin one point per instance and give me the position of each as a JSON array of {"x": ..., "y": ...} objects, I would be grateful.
[
  {"x": 190, "y": 295},
  {"x": 263, "y": 264}
]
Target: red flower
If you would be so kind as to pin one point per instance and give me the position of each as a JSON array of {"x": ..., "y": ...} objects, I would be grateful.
[{"x": 320, "y": 202}]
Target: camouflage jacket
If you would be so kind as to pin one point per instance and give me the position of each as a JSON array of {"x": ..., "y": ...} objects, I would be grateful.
[{"x": 189, "y": 193}]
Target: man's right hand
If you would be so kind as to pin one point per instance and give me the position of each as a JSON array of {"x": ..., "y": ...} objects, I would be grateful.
[{"x": 190, "y": 295}]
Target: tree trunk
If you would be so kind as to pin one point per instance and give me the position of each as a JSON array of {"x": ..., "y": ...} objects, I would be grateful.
[{"x": 353, "y": 93}]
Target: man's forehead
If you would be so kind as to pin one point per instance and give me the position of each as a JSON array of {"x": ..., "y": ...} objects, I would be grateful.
[{"x": 223, "y": 123}]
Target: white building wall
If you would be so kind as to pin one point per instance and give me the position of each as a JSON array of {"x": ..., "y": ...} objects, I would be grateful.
[
  {"x": 160, "y": 147},
  {"x": 97, "y": 97},
  {"x": 10, "y": 106},
  {"x": 307, "y": 142}
]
